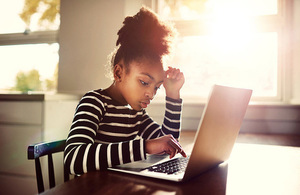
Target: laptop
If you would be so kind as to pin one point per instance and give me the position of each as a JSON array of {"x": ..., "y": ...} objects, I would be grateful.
[{"x": 217, "y": 131}]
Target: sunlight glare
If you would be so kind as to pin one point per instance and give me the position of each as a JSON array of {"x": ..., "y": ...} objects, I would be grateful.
[
  {"x": 231, "y": 31},
  {"x": 232, "y": 37}
]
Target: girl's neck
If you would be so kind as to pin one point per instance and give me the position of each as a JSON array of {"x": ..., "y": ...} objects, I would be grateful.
[{"x": 115, "y": 94}]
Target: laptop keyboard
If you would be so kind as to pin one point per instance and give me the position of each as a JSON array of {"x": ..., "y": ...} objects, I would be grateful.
[{"x": 174, "y": 166}]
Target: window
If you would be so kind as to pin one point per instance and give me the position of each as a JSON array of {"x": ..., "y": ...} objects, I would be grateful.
[
  {"x": 238, "y": 43},
  {"x": 28, "y": 45}
]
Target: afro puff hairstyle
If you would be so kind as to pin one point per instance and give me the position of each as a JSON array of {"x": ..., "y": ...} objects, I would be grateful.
[{"x": 143, "y": 35}]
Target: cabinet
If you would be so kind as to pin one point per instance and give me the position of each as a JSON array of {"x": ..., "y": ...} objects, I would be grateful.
[{"x": 27, "y": 119}]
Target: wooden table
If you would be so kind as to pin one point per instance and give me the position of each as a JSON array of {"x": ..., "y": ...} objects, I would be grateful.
[{"x": 253, "y": 169}]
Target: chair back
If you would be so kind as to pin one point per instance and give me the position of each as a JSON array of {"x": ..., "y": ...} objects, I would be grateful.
[{"x": 38, "y": 150}]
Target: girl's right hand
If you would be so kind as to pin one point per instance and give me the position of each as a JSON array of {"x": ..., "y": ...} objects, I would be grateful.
[
  {"x": 174, "y": 80},
  {"x": 166, "y": 144}
]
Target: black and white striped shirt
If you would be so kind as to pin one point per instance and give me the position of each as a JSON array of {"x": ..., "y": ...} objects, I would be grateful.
[{"x": 105, "y": 133}]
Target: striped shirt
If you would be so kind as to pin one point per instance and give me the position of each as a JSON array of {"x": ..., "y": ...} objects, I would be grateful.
[{"x": 104, "y": 133}]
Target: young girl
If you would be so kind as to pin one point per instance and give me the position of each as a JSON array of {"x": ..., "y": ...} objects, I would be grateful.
[{"x": 110, "y": 126}]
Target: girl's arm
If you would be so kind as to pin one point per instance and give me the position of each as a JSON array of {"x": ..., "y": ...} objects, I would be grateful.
[
  {"x": 163, "y": 139},
  {"x": 171, "y": 124},
  {"x": 82, "y": 154}
]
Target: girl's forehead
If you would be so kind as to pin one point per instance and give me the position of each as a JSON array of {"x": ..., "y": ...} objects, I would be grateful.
[
  {"x": 152, "y": 69},
  {"x": 147, "y": 64}
]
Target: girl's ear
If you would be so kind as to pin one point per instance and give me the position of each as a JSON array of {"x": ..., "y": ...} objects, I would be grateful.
[{"x": 118, "y": 72}]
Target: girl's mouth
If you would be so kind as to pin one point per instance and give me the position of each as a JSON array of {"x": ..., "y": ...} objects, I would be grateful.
[{"x": 144, "y": 104}]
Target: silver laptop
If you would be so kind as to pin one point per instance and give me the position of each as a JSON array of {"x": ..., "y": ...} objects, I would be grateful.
[{"x": 218, "y": 129}]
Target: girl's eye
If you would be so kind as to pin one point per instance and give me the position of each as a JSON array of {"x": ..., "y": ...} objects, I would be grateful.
[{"x": 144, "y": 83}]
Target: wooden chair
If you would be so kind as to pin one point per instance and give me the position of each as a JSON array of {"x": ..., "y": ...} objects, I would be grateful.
[{"x": 38, "y": 150}]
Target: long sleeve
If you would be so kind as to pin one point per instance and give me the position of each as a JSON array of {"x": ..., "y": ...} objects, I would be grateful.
[{"x": 83, "y": 153}]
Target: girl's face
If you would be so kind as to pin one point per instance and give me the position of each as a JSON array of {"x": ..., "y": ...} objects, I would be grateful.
[{"x": 139, "y": 86}]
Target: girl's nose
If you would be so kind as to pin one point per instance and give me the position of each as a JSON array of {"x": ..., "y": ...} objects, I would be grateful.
[{"x": 149, "y": 94}]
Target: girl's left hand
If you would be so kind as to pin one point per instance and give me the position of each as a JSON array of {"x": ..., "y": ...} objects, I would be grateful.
[
  {"x": 165, "y": 144},
  {"x": 174, "y": 80}
]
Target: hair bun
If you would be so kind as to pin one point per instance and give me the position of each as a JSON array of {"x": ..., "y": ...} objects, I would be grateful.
[{"x": 145, "y": 32}]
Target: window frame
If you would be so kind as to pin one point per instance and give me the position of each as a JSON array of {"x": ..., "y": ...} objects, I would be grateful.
[{"x": 35, "y": 37}]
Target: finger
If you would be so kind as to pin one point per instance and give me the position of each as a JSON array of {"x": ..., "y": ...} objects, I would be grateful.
[
  {"x": 170, "y": 68},
  {"x": 170, "y": 71},
  {"x": 178, "y": 147},
  {"x": 177, "y": 144},
  {"x": 180, "y": 76},
  {"x": 167, "y": 72},
  {"x": 178, "y": 73},
  {"x": 171, "y": 151},
  {"x": 175, "y": 73},
  {"x": 183, "y": 153}
]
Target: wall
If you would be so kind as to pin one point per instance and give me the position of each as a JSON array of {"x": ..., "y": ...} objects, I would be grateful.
[{"x": 87, "y": 35}]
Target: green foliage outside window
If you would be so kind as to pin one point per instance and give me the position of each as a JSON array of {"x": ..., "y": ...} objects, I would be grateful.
[
  {"x": 50, "y": 11},
  {"x": 31, "y": 81},
  {"x": 28, "y": 81}
]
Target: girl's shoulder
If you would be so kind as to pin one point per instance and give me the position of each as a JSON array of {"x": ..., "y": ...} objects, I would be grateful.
[
  {"x": 100, "y": 94},
  {"x": 96, "y": 97}
]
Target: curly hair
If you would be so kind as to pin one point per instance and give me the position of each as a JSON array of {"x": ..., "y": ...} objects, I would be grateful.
[{"x": 143, "y": 35}]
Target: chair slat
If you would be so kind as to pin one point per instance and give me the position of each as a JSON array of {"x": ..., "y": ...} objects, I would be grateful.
[
  {"x": 66, "y": 174},
  {"x": 39, "y": 175},
  {"x": 51, "y": 171}
]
